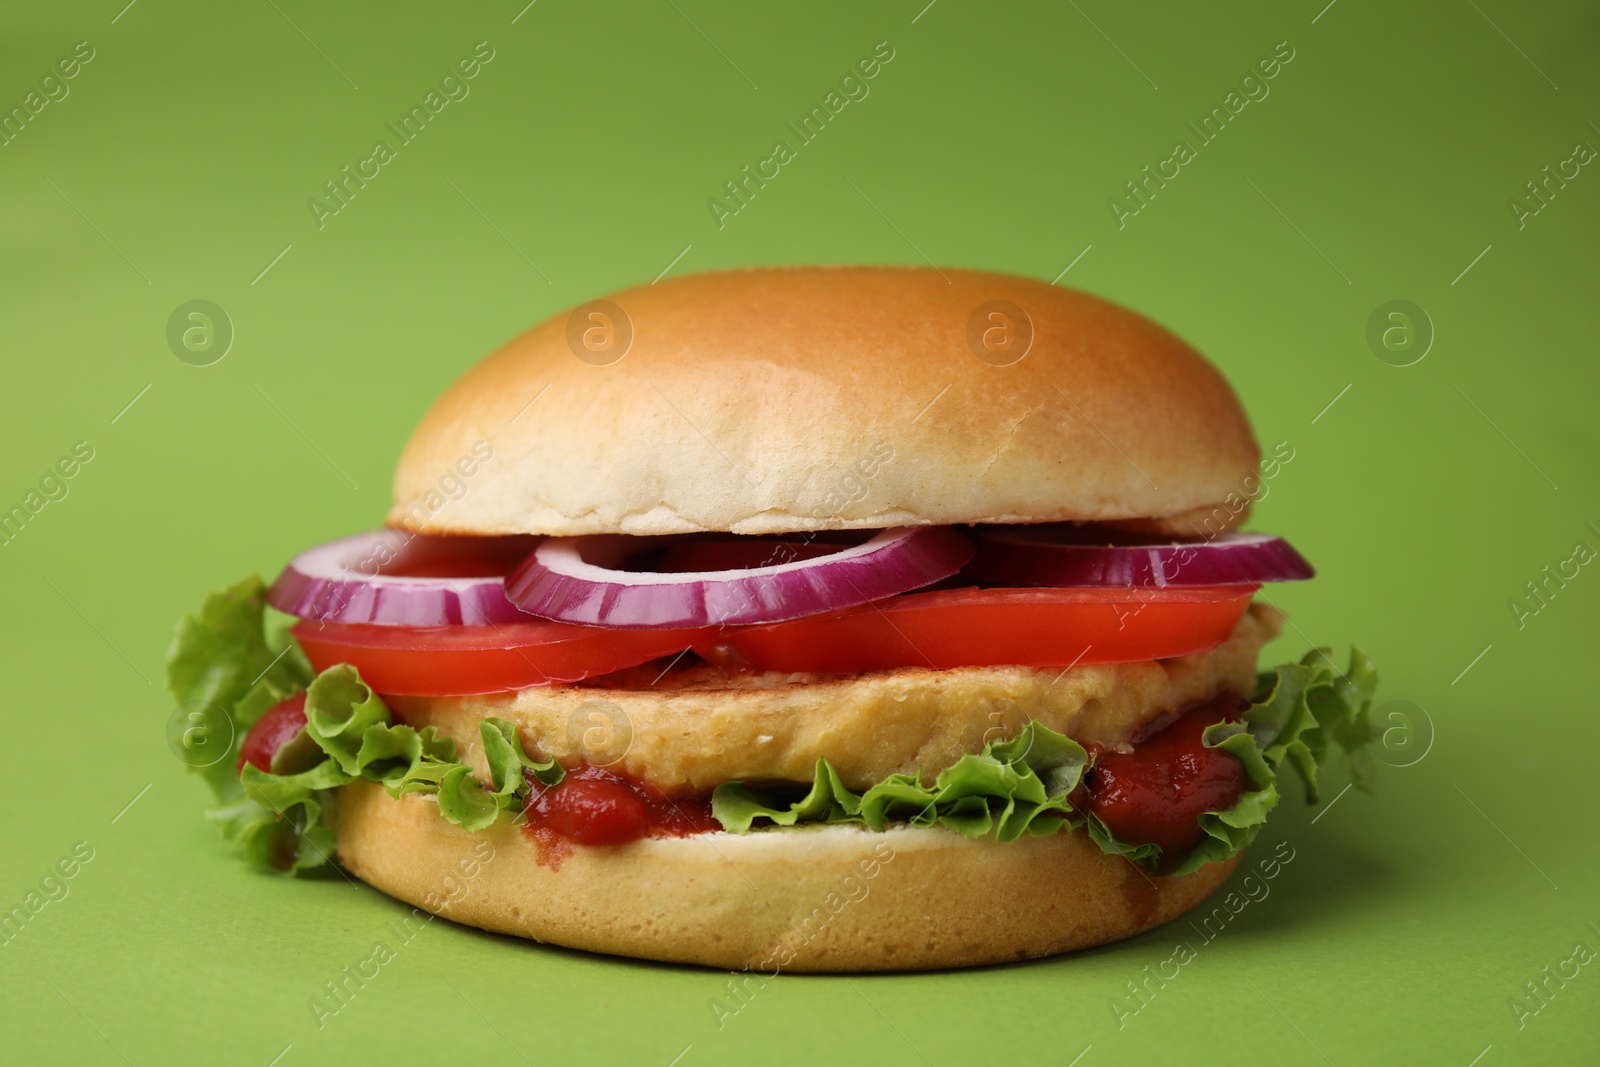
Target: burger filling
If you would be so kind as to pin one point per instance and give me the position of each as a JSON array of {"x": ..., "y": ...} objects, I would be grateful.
[{"x": 989, "y": 682}]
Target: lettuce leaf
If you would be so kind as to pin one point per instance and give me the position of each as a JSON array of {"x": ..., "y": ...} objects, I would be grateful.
[
  {"x": 279, "y": 819},
  {"x": 1300, "y": 714},
  {"x": 221, "y": 659},
  {"x": 502, "y": 748},
  {"x": 1012, "y": 787},
  {"x": 1144, "y": 855}
]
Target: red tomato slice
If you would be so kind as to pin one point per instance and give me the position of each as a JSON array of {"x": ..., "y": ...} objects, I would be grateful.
[
  {"x": 455, "y": 660},
  {"x": 990, "y": 627}
]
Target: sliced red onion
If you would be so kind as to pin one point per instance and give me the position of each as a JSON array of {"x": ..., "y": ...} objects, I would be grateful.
[
  {"x": 1064, "y": 555},
  {"x": 578, "y": 580},
  {"x": 394, "y": 578}
]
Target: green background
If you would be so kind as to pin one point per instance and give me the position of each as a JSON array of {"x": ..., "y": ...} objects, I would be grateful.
[{"x": 1379, "y": 168}]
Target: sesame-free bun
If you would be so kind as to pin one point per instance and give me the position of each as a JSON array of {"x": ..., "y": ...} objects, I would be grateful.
[
  {"x": 778, "y": 400},
  {"x": 833, "y": 898}
]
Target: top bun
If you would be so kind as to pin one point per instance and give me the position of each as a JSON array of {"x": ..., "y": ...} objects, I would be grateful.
[{"x": 806, "y": 398}]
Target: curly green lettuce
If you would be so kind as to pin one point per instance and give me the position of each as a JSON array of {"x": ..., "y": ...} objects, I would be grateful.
[
  {"x": 1011, "y": 788},
  {"x": 1301, "y": 713},
  {"x": 223, "y": 657}
]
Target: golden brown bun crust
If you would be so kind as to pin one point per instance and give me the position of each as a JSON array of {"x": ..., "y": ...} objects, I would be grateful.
[
  {"x": 838, "y": 898},
  {"x": 776, "y": 400},
  {"x": 694, "y": 736}
]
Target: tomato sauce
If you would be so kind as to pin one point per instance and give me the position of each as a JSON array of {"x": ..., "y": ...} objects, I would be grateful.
[
  {"x": 1157, "y": 792},
  {"x": 596, "y": 806}
]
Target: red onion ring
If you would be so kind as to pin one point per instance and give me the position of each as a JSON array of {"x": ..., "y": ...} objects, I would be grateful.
[
  {"x": 1055, "y": 555},
  {"x": 393, "y": 578},
  {"x": 574, "y": 579}
]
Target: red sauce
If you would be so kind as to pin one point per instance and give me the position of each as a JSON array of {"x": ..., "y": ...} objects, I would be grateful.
[
  {"x": 596, "y": 806},
  {"x": 276, "y": 728},
  {"x": 1157, "y": 792}
]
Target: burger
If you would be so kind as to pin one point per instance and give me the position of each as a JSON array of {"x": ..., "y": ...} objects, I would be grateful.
[{"x": 810, "y": 619}]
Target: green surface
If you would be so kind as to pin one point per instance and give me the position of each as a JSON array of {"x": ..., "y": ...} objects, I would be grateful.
[{"x": 1379, "y": 168}]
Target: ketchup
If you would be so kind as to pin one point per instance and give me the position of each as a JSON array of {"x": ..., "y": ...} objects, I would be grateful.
[
  {"x": 276, "y": 728},
  {"x": 595, "y": 806},
  {"x": 1157, "y": 792}
]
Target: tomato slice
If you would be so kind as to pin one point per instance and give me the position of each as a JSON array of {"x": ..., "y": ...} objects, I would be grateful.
[
  {"x": 456, "y": 660},
  {"x": 974, "y": 627}
]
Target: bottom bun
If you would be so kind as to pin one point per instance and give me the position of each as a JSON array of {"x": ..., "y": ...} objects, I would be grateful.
[{"x": 834, "y": 898}]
